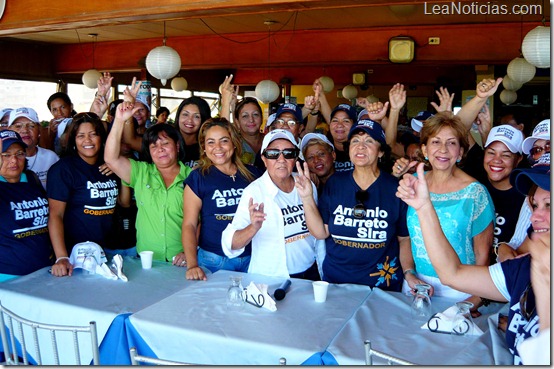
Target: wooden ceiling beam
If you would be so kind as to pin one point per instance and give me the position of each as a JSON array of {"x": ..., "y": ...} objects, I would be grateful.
[{"x": 486, "y": 44}]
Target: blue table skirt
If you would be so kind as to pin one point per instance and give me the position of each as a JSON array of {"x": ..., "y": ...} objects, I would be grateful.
[{"x": 121, "y": 336}]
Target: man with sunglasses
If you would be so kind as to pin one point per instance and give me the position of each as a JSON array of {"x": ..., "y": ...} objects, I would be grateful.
[{"x": 270, "y": 214}]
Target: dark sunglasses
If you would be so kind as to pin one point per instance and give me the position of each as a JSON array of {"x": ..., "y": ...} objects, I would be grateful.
[
  {"x": 85, "y": 117},
  {"x": 359, "y": 211},
  {"x": 537, "y": 150},
  {"x": 523, "y": 304},
  {"x": 273, "y": 154}
]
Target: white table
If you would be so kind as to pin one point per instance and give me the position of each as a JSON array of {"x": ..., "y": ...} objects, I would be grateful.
[
  {"x": 78, "y": 299},
  {"x": 384, "y": 319},
  {"x": 195, "y": 326}
]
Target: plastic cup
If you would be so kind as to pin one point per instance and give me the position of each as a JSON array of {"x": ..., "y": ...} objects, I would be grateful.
[
  {"x": 146, "y": 259},
  {"x": 320, "y": 290}
]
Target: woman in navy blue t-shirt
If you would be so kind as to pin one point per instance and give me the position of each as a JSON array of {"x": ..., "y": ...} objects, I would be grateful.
[{"x": 210, "y": 199}]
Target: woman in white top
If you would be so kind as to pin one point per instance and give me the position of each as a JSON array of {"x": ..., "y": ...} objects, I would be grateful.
[{"x": 270, "y": 214}]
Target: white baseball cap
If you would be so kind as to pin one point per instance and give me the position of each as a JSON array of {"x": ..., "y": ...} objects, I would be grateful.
[
  {"x": 508, "y": 135},
  {"x": 28, "y": 113},
  {"x": 275, "y": 135},
  {"x": 87, "y": 255},
  {"x": 314, "y": 136},
  {"x": 541, "y": 132}
]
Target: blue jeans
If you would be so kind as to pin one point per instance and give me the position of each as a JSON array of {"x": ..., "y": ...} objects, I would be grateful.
[
  {"x": 132, "y": 252},
  {"x": 215, "y": 262}
]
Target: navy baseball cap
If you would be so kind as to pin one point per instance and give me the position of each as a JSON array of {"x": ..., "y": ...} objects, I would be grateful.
[
  {"x": 417, "y": 122},
  {"x": 348, "y": 109},
  {"x": 370, "y": 127},
  {"x": 290, "y": 108},
  {"x": 10, "y": 137},
  {"x": 524, "y": 179}
]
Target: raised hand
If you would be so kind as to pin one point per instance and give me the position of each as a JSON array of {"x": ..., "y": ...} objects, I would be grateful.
[
  {"x": 397, "y": 96},
  {"x": 125, "y": 111},
  {"x": 377, "y": 110},
  {"x": 483, "y": 121},
  {"x": 257, "y": 215},
  {"x": 104, "y": 84},
  {"x": 487, "y": 87},
  {"x": 445, "y": 100},
  {"x": 303, "y": 183},
  {"x": 413, "y": 190},
  {"x": 130, "y": 95}
]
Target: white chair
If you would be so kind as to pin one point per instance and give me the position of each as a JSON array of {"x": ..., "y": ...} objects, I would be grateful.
[
  {"x": 137, "y": 359},
  {"x": 391, "y": 360},
  {"x": 16, "y": 330}
]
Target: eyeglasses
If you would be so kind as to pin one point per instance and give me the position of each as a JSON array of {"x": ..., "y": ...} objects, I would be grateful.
[
  {"x": 4, "y": 124},
  {"x": 273, "y": 154},
  {"x": 18, "y": 155},
  {"x": 281, "y": 123},
  {"x": 85, "y": 117},
  {"x": 359, "y": 211},
  {"x": 538, "y": 150},
  {"x": 22, "y": 126},
  {"x": 523, "y": 304}
]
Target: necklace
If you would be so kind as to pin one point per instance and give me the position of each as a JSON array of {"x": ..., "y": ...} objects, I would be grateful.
[{"x": 233, "y": 176}]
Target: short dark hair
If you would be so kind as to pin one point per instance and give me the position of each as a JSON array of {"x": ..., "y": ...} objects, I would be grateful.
[
  {"x": 162, "y": 109},
  {"x": 152, "y": 135},
  {"x": 58, "y": 95}
]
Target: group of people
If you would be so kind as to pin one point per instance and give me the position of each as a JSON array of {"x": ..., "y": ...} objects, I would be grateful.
[{"x": 221, "y": 193}]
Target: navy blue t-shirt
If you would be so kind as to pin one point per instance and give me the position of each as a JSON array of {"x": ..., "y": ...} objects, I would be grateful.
[
  {"x": 517, "y": 273},
  {"x": 220, "y": 197},
  {"x": 342, "y": 162},
  {"x": 24, "y": 239},
  {"x": 363, "y": 251},
  {"x": 90, "y": 199}
]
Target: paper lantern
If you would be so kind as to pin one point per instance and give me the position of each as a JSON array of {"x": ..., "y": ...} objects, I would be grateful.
[
  {"x": 349, "y": 92},
  {"x": 90, "y": 78},
  {"x": 267, "y": 91},
  {"x": 327, "y": 83},
  {"x": 508, "y": 96},
  {"x": 372, "y": 99},
  {"x": 163, "y": 63},
  {"x": 521, "y": 71},
  {"x": 510, "y": 84},
  {"x": 536, "y": 47},
  {"x": 179, "y": 84}
]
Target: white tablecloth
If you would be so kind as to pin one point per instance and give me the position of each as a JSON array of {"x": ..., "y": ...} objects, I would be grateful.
[
  {"x": 195, "y": 326},
  {"x": 385, "y": 320},
  {"x": 81, "y": 298}
]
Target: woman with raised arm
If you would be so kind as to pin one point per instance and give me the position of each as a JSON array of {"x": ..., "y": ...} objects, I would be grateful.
[
  {"x": 514, "y": 281},
  {"x": 158, "y": 184}
]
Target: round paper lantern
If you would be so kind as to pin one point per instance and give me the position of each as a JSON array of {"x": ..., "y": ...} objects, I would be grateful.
[
  {"x": 510, "y": 84},
  {"x": 508, "y": 96},
  {"x": 372, "y": 99},
  {"x": 90, "y": 78},
  {"x": 349, "y": 92},
  {"x": 267, "y": 91},
  {"x": 179, "y": 84},
  {"x": 327, "y": 83},
  {"x": 163, "y": 63},
  {"x": 521, "y": 71},
  {"x": 536, "y": 47}
]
